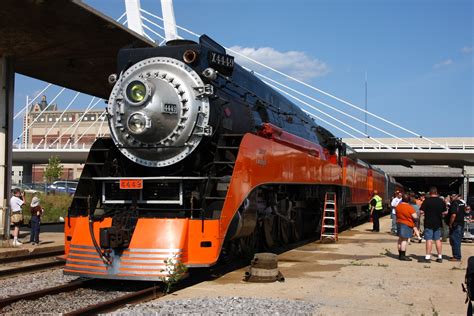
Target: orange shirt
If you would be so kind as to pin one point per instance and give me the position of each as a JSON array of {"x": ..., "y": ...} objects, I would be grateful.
[{"x": 404, "y": 212}]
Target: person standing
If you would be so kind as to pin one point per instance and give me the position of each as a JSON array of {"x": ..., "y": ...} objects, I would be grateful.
[
  {"x": 394, "y": 203},
  {"x": 376, "y": 208},
  {"x": 406, "y": 216},
  {"x": 433, "y": 208},
  {"x": 415, "y": 206},
  {"x": 36, "y": 212},
  {"x": 16, "y": 203},
  {"x": 456, "y": 225}
]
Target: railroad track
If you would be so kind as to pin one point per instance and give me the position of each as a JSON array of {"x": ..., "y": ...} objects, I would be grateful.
[
  {"x": 153, "y": 291},
  {"x": 28, "y": 264}
]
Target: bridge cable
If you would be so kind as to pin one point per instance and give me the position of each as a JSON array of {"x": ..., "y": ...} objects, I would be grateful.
[
  {"x": 310, "y": 86},
  {"x": 79, "y": 123},
  {"x": 87, "y": 129},
  {"x": 99, "y": 132},
  {"x": 75, "y": 123},
  {"x": 329, "y": 106},
  {"x": 337, "y": 120},
  {"x": 334, "y": 97},
  {"x": 151, "y": 30},
  {"x": 57, "y": 121},
  {"x": 33, "y": 100},
  {"x": 37, "y": 117}
]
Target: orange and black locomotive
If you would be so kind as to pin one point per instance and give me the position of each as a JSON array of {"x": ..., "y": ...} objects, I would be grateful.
[{"x": 204, "y": 160}]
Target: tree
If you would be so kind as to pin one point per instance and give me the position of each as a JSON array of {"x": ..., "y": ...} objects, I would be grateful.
[{"x": 53, "y": 170}]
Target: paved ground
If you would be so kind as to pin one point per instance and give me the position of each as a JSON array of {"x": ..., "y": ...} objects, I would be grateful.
[
  {"x": 51, "y": 239},
  {"x": 359, "y": 275}
]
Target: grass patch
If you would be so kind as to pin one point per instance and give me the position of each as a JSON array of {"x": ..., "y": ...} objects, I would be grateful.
[
  {"x": 427, "y": 267},
  {"x": 383, "y": 265},
  {"x": 54, "y": 206}
]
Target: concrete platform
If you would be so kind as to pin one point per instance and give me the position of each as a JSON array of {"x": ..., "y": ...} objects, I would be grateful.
[
  {"x": 358, "y": 275},
  {"x": 51, "y": 240}
]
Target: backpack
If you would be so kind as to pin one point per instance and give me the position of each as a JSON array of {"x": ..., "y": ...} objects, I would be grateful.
[{"x": 468, "y": 285}]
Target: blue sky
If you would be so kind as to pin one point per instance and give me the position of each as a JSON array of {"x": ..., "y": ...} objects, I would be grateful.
[{"x": 418, "y": 54}]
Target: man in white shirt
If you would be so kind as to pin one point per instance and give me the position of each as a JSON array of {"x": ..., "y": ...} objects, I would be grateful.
[
  {"x": 16, "y": 203},
  {"x": 396, "y": 199}
]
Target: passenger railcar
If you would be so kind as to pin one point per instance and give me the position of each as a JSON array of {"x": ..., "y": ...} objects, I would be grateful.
[{"x": 204, "y": 161}]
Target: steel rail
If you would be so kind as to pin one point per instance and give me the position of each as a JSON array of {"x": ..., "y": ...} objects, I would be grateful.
[
  {"x": 74, "y": 285},
  {"x": 115, "y": 303},
  {"x": 31, "y": 268},
  {"x": 32, "y": 256}
]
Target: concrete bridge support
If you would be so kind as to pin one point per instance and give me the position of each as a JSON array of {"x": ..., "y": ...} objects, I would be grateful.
[{"x": 7, "y": 80}]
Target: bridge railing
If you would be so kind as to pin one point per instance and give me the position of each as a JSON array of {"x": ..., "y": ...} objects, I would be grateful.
[{"x": 414, "y": 146}]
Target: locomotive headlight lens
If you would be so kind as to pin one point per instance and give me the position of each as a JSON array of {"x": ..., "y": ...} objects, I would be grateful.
[
  {"x": 136, "y": 92},
  {"x": 137, "y": 123}
]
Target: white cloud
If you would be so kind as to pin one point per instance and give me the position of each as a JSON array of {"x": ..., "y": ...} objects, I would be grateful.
[
  {"x": 293, "y": 63},
  {"x": 443, "y": 63},
  {"x": 467, "y": 50}
]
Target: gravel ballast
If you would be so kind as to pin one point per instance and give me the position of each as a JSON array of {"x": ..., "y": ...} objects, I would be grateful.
[
  {"x": 221, "y": 306},
  {"x": 28, "y": 282}
]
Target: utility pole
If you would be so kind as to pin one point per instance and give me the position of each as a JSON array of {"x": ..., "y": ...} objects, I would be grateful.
[{"x": 365, "y": 103}]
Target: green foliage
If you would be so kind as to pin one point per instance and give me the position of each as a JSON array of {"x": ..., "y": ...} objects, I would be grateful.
[
  {"x": 54, "y": 206},
  {"x": 53, "y": 170},
  {"x": 175, "y": 270}
]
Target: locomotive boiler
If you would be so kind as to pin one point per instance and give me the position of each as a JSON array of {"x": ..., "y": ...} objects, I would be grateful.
[{"x": 204, "y": 161}]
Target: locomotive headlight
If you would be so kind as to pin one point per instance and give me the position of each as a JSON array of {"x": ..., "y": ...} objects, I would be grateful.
[
  {"x": 137, "y": 92},
  {"x": 137, "y": 123}
]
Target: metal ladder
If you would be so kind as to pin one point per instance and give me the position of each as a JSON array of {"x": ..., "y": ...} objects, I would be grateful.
[{"x": 329, "y": 227}]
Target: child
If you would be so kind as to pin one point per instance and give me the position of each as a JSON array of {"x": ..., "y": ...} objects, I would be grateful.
[{"x": 36, "y": 212}]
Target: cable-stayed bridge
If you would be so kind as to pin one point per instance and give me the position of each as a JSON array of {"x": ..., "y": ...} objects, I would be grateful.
[
  {"x": 401, "y": 145},
  {"x": 77, "y": 51}
]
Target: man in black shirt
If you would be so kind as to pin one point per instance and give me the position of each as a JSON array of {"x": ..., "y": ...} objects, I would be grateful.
[
  {"x": 456, "y": 225},
  {"x": 433, "y": 208}
]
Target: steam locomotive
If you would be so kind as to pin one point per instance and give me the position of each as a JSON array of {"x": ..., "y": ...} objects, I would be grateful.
[{"x": 204, "y": 161}]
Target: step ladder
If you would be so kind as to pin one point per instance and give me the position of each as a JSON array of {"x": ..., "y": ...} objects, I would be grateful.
[{"x": 329, "y": 229}]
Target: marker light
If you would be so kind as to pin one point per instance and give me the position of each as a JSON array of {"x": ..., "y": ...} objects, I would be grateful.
[{"x": 137, "y": 123}]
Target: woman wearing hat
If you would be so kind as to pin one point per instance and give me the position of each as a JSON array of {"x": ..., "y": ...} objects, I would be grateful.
[{"x": 36, "y": 212}]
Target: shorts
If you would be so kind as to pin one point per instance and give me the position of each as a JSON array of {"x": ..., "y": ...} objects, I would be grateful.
[
  {"x": 432, "y": 234},
  {"x": 404, "y": 231}
]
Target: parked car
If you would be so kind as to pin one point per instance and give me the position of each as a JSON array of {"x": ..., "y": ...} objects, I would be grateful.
[
  {"x": 25, "y": 188},
  {"x": 62, "y": 186}
]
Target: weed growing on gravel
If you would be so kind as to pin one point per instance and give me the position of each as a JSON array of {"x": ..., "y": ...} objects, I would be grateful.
[
  {"x": 427, "y": 267},
  {"x": 175, "y": 270},
  {"x": 383, "y": 265}
]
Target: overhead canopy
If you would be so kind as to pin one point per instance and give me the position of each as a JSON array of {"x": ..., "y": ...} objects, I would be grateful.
[{"x": 64, "y": 42}]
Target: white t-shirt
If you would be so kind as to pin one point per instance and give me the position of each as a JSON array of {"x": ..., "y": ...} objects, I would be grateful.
[
  {"x": 16, "y": 203},
  {"x": 395, "y": 203}
]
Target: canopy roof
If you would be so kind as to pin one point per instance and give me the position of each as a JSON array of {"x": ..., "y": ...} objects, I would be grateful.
[{"x": 64, "y": 42}]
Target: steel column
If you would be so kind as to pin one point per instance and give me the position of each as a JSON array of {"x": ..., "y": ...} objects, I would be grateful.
[{"x": 7, "y": 80}]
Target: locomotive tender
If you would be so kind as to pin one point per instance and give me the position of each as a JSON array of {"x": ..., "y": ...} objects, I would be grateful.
[{"x": 204, "y": 161}]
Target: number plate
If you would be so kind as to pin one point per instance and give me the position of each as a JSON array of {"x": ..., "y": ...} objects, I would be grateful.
[
  {"x": 129, "y": 184},
  {"x": 216, "y": 59}
]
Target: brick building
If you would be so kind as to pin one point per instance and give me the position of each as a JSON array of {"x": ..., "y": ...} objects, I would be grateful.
[{"x": 46, "y": 126}]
